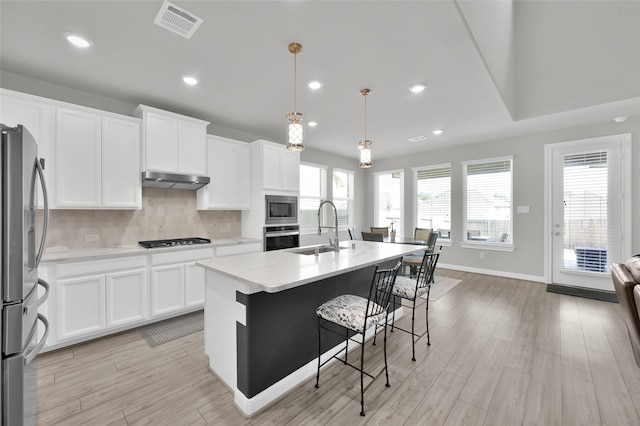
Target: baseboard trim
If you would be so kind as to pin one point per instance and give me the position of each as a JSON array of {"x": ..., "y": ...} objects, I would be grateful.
[
  {"x": 589, "y": 293},
  {"x": 492, "y": 272}
]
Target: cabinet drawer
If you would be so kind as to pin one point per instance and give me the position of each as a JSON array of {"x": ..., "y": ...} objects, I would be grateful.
[
  {"x": 238, "y": 249},
  {"x": 181, "y": 256},
  {"x": 90, "y": 267}
]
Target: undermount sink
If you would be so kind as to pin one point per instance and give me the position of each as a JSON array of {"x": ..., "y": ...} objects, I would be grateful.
[{"x": 321, "y": 249}]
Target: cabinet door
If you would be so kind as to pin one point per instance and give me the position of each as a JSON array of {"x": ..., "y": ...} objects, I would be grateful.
[
  {"x": 126, "y": 294},
  {"x": 192, "y": 148},
  {"x": 78, "y": 159},
  {"x": 215, "y": 195},
  {"x": 38, "y": 118},
  {"x": 271, "y": 167},
  {"x": 290, "y": 170},
  {"x": 80, "y": 306},
  {"x": 240, "y": 175},
  {"x": 161, "y": 143},
  {"x": 167, "y": 289},
  {"x": 121, "y": 183},
  {"x": 194, "y": 285}
]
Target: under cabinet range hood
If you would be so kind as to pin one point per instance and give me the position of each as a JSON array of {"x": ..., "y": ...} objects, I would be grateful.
[{"x": 173, "y": 181}]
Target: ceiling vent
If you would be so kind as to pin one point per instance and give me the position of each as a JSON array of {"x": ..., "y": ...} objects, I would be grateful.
[
  {"x": 418, "y": 139},
  {"x": 177, "y": 19}
]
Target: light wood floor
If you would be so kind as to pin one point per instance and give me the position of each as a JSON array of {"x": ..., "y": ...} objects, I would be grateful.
[{"x": 503, "y": 352}]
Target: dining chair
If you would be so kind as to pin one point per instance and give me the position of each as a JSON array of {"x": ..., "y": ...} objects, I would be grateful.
[
  {"x": 411, "y": 289},
  {"x": 421, "y": 233},
  {"x": 372, "y": 236},
  {"x": 352, "y": 233},
  {"x": 380, "y": 230},
  {"x": 413, "y": 261},
  {"x": 357, "y": 314}
]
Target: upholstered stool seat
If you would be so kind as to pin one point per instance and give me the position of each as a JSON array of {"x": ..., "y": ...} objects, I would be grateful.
[
  {"x": 350, "y": 310},
  {"x": 405, "y": 287}
]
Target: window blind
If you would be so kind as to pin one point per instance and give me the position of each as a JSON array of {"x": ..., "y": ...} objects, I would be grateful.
[
  {"x": 586, "y": 227},
  {"x": 488, "y": 198},
  {"x": 313, "y": 189},
  {"x": 433, "y": 199}
]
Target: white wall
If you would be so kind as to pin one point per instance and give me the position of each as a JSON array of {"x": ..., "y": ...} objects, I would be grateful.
[{"x": 528, "y": 167}]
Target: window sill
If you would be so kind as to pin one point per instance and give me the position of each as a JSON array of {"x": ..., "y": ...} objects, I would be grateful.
[
  {"x": 444, "y": 243},
  {"x": 488, "y": 246}
]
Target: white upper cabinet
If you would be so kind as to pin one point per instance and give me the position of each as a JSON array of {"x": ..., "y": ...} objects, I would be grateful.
[
  {"x": 229, "y": 168},
  {"x": 92, "y": 157},
  {"x": 121, "y": 185},
  {"x": 280, "y": 168},
  {"x": 173, "y": 143},
  {"x": 38, "y": 116},
  {"x": 97, "y": 160},
  {"x": 78, "y": 159}
]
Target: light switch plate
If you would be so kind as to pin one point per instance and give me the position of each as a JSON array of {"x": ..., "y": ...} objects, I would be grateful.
[{"x": 523, "y": 209}]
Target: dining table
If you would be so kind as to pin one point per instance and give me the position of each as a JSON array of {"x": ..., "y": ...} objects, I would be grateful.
[{"x": 404, "y": 240}]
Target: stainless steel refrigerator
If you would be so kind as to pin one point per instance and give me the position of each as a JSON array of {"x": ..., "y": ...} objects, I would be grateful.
[{"x": 20, "y": 289}]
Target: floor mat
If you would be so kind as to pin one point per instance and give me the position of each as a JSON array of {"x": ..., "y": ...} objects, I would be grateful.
[
  {"x": 172, "y": 329},
  {"x": 441, "y": 286}
]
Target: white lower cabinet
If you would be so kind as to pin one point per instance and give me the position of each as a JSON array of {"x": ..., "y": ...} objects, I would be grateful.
[
  {"x": 81, "y": 306},
  {"x": 176, "y": 281},
  {"x": 167, "y": 289},
  {"x": 126, "y": 297}
]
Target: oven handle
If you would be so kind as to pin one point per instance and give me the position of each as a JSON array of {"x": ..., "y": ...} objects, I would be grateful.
[{"x": 281, "y": 234}]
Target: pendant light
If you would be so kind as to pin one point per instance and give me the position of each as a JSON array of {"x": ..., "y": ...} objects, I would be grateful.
[
  {"x": 365, "y": 145},
  {"x": 295, "y": 130}
]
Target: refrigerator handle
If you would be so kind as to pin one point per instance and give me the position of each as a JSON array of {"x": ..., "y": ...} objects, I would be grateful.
[
  {"x": 34, "y": 352},
  {"x": 46, "y": 211},
  {"x": 44, "y": 297}
]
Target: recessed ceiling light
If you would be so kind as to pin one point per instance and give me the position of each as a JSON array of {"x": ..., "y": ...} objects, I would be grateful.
[
  {"x": 312, "y": 123},
  {"x": 417, "y": 88},
  {"x": 315, "y": 85},
  {"x": 190, "y": 80},
  {"x": 77, "y": 40},
  {"x": 418, "y": 139},
  {"x": 621, "y": 119},
  {"x": 437, "y": 132}
]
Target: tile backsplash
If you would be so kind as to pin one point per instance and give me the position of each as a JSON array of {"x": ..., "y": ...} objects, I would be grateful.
[{"x": 166, "y": 213}]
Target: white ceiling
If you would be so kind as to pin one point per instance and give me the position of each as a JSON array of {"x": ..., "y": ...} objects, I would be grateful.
[{"x": 494, "y": 69}]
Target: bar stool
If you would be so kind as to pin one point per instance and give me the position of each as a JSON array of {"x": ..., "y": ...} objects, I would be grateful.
[
  {"x": 411, "y": 289},
  {"x": 359, "y": 315}
]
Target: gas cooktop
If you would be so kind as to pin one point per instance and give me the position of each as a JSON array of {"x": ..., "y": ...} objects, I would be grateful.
[{"x": 174, "y": 242}]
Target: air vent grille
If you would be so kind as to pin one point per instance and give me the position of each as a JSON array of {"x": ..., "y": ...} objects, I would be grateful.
[
  {"x": 177, "y": 20},
  {"x": 418, "y": 139}
]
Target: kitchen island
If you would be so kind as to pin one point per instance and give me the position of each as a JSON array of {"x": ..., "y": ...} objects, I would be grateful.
[{"x": 260, "y": 323}]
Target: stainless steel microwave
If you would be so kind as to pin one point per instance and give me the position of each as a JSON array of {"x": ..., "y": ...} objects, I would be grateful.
[{"x": 281, "y": 209}]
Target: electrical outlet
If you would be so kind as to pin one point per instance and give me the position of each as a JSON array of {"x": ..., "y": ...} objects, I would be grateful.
[
  {"x": 481, "y": 255},
  {"x": 91, "y": 237}
]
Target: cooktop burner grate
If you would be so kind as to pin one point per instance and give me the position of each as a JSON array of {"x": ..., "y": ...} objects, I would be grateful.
[{"x": 173, "y": 242}]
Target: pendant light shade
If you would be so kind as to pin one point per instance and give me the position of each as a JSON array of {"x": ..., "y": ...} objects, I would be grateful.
[
  {"x": 365, "y": 145},
  {"x": 295, "y": 130}
]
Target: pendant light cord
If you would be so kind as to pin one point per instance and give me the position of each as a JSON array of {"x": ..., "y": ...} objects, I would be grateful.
[{"x": 295, "y": 82}]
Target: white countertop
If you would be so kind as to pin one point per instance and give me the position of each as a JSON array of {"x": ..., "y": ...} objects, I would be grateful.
[
  {"x": 107, "y": 252},
  {"x": 279, "y": 270}
]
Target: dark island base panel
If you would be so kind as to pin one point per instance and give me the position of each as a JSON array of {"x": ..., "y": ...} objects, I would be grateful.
[{"x": 281, "y": 334}]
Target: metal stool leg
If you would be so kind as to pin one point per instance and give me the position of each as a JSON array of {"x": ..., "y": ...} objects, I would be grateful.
[
  {"x": 362, "y": 378},
  {"x": 413, "y": 331},
  {"x": 386, "y": 367},
  {"x": 319, "y": 349},
  {"x": 427, "y": 315}
]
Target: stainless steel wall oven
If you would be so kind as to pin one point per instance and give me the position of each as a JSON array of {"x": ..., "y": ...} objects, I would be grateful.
[{"x": 281, "y": 237}]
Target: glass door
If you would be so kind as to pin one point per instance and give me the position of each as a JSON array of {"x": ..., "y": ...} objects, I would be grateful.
[{"x": 588, "y": 211}]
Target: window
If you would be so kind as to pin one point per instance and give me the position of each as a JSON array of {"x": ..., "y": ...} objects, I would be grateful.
[
  {"x": 433, "y": 198},
  {"x": 389, "y": 199},
  {"x": 343, "y": 189},
  {"x": 488, "y": 205},
  {"x": 313, "y": 189}
]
